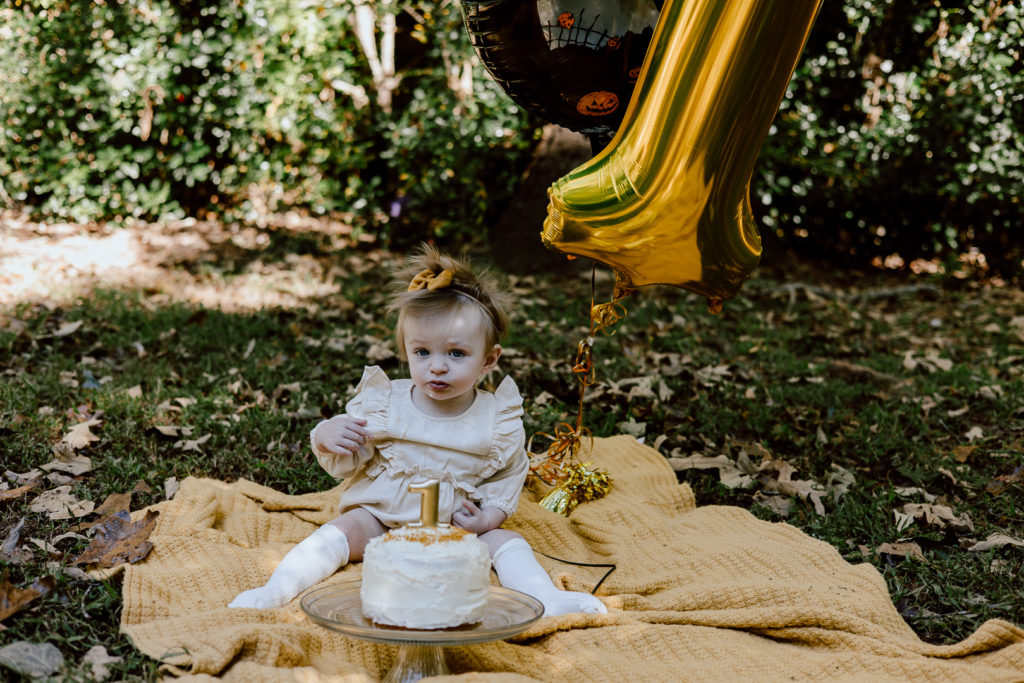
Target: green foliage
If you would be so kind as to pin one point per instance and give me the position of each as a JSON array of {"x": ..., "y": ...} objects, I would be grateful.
[
  {"x": 902, "y": 133},
  {"x": 156, "y": 110}
]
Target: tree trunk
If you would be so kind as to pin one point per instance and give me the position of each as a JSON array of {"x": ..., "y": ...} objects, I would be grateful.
[{"x": 515, "y": 237}]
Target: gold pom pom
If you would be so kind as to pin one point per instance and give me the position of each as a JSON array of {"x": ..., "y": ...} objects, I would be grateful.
[{"x": 579, "y": 485}]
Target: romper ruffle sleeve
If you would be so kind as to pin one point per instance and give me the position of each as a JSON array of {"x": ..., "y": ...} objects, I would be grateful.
[
  {"x": 507, "y": 453},
  {"x": 369, "y": 403}
]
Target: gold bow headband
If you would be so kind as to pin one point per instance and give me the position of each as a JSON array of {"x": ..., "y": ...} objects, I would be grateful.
[{"x": 427, "y": 279}]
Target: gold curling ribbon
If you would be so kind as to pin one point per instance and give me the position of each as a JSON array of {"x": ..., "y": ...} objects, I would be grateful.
[
  {"x": 565, "y": 445},
  {"x": 581, "y": 485},
  {"x": 575, "y": 483}
]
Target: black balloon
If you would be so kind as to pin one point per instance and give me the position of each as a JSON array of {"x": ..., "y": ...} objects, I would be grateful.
[{"x": 570, "y": 62}]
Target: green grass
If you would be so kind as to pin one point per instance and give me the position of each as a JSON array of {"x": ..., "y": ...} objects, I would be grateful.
[{"x": 817, "y": 375}]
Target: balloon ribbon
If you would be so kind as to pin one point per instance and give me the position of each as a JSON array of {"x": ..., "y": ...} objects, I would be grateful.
[{"x": 577, "y": 483}]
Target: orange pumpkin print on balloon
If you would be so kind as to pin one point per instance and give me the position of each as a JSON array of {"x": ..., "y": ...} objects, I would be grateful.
[
  {"x": 598, "y": 103},
  {"x": 613, "y": 43},
  {"x": 566, "y": 20},
  {"x": 634, "y": 74}
]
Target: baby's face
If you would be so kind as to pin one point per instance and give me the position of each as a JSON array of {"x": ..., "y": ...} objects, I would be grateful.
[{"x": 447, "y": 354}]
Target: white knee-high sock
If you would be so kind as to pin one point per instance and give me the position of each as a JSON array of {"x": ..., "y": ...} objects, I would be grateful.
[
  {"x": 519, "y": 570},
  {"x": 311, "y": 561}
]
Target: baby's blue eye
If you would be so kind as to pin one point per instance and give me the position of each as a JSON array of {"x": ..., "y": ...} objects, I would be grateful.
[
  {"x": 456, "y": 353},
  {"x": 421, "y": 352}
]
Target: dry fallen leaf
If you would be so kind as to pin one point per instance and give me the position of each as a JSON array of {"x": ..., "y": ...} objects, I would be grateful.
[
  {"x": 58, "y": 503},
  {"x": 80, "y": 435},
  {"x": 193, "y": 444},
  {"x": 68, "y": 461},
  {"x": 11, "y": 494},
  {"x": 98, "y": 658},
  {"x": 115, "y": 503},
  {"x": 68, "y": 328},
  {"x": 9, "y": 550},
  {"x": 119, "y": 540},
  {"x": 34, "y": 660},
  {"x": 961, "y": 453},
  {"x": 996, "y": 541},
  {"x": 974, "y": 433},
  {"x": 784, "y": 483},
  {"x": 939, "y": 516},
  {"x": 633, "y": 428},
  {"x": 14, "y": 599},
  {"x": 907, "y": 549},
  {"x": 778, "y": 504}
]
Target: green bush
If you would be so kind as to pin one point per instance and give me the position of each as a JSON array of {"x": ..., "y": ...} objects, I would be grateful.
[
  {"x": 113, "y": 109},
  {"x": 902, "y": 132}
]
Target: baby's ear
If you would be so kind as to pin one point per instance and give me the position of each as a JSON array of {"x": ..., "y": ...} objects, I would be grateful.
[{"x": 492, "y": 358}]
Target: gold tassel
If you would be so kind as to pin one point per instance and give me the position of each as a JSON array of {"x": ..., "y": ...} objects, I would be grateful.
[{"x": 579, "y": 485}]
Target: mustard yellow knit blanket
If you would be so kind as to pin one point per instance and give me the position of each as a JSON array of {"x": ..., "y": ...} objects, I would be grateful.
[{"x": 699, "y": 593}]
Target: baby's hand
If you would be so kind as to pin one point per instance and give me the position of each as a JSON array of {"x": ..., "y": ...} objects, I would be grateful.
[
  {"x": 472, "y": 518},
  {"x": 341, "y": 435}
]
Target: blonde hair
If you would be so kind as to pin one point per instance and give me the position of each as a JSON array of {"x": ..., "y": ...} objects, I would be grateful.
[{"x": 469, "y": 287}]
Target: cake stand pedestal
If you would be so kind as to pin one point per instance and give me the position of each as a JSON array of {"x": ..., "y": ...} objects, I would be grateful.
[{"x": 420, "y": 653}]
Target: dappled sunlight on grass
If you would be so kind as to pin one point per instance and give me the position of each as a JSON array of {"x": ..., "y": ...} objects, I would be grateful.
[{"x": 203, "y": 263}]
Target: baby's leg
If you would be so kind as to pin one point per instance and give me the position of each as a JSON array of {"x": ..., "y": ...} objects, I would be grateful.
[
  {"x": 314, "y": 559},
  {"x": 519, "y": 570}
]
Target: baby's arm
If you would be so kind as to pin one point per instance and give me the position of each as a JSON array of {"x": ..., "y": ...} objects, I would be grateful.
[
  {"x": 472, "y": 517},
  {"x": 341, "y": 445},
  {"x": 341, "y": 435}
]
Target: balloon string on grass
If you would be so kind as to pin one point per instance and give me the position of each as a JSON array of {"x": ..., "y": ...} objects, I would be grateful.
[{"x": 577, "y": 483}]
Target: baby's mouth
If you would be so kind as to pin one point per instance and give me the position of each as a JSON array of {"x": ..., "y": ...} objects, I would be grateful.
[{"x": 438, "y": 386}]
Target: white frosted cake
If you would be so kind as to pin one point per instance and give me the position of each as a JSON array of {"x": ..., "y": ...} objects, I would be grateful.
[{"x": 425, "y": 578}]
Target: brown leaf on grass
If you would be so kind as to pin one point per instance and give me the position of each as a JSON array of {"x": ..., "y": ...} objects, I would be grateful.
[
  {"x": 939, "y": 516},
  {"x": 996, "y": 541},
  {"x": 858, "y": 373},
  {"x": 907, "y": 549},
  {"x": 119, "y": 540},
  {"x": 97, "y": 658},
  {"x": 14, "y": 599},
  {"x": 974, "y": 433},
  {"x": 114, "y": 503},
  {"x": 729, "y": 472},
  {"x": 68, "y": 461},
  {"x": 68, "y": 328},
  {"x": 961, "y": 453},
  {"x": 193, "y": 444},
  {"x": 784, "y": 483},
  {"x": 1002, "y": 482},
  {"x": 777, "y": 504},
  {"x": 58, "y": 503},
  {"x": 35, "y": 660},
  {"x": 81, "y": 435},
  {"x": 11, "y": 494},
  {"x": 168, "y": 430},
  {"x": 9, "y": 550},
  {"x": 23, "y": 478}
]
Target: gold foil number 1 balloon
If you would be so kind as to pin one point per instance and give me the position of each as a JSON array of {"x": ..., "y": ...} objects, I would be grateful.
[{"x": 667, "y": 201}]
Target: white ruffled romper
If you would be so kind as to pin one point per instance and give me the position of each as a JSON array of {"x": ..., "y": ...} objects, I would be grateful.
[{"x": 478, "y": 455}]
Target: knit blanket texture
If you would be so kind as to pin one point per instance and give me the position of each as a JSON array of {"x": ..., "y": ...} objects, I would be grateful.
[{"x": 706, "y": 593}]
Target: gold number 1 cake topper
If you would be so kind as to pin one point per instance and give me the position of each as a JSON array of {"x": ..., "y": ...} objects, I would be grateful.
[{"x": 428, "y": 491}]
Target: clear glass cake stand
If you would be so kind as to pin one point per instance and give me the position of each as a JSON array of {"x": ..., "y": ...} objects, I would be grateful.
[{"x": 420, "y": 653}]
